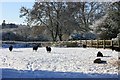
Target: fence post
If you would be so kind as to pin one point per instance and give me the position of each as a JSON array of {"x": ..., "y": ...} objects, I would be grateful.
[
  {"x": 86, "y": 42},
  {"x": 111, "y": 43},
  {"x": 104, "y": 44},
  {"x": 91, "y": 43},
  {"x": 118, "y": 43},
  {"x": 97, "y": 43},
  {"x": 80, "y": 43}
]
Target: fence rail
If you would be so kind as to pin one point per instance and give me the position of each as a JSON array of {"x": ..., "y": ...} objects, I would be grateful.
[{"x": 88, "y": 43}]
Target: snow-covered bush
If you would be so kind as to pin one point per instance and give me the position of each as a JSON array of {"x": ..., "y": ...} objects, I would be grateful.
[
  {"x": 75, "y": 36},
  {"x": 84, "y": 36},
  {"x": 117, "y": 38},
  {"x": 89, "y": 36},
  {"x": 41, "y": 38},
  {"x": 11, "y": 36}
]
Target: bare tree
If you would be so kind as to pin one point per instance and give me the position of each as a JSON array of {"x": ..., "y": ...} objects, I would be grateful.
[{"x": 62, "y": 17}]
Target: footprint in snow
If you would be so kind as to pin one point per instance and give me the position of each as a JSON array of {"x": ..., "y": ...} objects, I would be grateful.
[{"x": 30, "y": 65}]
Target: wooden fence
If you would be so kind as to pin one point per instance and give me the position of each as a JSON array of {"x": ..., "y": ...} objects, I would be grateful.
[
  {"x": 96, "y": 43},
  {"x": 88, "y": 43},
  {"x": 101, "y": 43}
]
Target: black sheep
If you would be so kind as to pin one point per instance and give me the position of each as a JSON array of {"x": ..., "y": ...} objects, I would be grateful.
[
  {"x": 98, "y": 60},
  {"x": 11, "y": 48},
  {"x": 117, "y": 49},
  {"x": 35, "y": 48},
  {"x": 112, "y": 47},
  {"x": 99, "y": 54},
  {"x": 48, "y": 49},
  {"x": 84, "y": 46}
]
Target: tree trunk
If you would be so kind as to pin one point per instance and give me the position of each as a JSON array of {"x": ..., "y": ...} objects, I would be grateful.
[
  {"x": 53, "y": 37},
  {"x": 60, "y": 37}
]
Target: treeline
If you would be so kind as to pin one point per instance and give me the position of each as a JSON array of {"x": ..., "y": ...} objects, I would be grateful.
[{"x": 58, "y": 20}]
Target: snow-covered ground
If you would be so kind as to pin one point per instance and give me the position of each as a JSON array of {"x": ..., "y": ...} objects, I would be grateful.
[{"x": 60, "y": 63}]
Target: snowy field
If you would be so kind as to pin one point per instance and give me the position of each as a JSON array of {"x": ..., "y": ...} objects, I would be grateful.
[{"x": 60, "y": 63}]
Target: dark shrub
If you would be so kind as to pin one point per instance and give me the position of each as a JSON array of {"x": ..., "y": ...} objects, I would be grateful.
[{"x": 72, "y": 44}]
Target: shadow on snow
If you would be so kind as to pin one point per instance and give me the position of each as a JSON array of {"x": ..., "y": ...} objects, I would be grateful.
[{"x": 13, "y": 73}]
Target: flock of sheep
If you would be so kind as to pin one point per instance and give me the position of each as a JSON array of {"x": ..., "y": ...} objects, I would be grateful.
[
  {"x": 35, "y": 48},
  {"x": 99, "y": 54}
]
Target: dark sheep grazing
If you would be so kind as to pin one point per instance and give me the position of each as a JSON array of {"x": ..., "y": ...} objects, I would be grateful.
[
  {"x": 11, "y": 48},
  {"x": 117, "y": 49},
  {"x": 35, "y": 48},
  {"x": 48, "y": 49},
  {"x": 84, "y": 46},
  {"x": 98, "y": 60},
  {"x": 99, "y": 54},
  {"x": 113, "y": 48}
]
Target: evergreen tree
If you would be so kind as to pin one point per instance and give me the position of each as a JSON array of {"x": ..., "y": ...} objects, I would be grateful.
[{"x": 110, "y": 27}]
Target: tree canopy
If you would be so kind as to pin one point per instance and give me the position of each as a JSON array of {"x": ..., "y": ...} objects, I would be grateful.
[{"x": 61, "y": 18}]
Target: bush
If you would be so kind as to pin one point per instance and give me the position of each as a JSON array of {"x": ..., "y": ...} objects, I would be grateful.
[
  {"x": 11, "y": 36},
  {"x": 68, "y": 44},
  {"x": 72, "y": 44}
]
